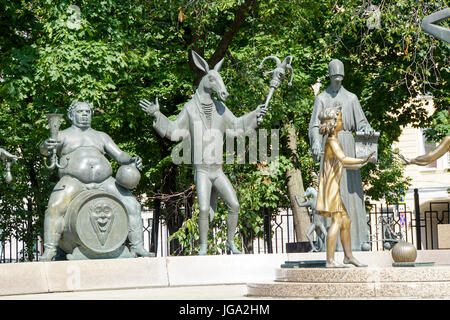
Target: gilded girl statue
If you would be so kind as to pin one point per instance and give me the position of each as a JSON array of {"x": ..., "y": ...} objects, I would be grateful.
[{"x": 329, "y": 201}]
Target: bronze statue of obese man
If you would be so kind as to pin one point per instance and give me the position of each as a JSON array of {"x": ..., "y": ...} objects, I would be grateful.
[{"x": 84, "y": 166}]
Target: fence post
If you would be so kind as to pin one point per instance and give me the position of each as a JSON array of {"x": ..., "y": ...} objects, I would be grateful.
[
  {"x": 155, "y": 225},
  {"x": 267, "y": 230},
  {"x": 417, "y": 211}
]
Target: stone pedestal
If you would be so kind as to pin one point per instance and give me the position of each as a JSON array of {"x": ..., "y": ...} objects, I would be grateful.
[
  {"x": 356, "y": 282},
  {"x": 254, "y": 269},
  {"x": 303, "y": 246}
]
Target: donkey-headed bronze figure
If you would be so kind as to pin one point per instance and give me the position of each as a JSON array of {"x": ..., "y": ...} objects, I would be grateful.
[{"x": 204, "y": 120}]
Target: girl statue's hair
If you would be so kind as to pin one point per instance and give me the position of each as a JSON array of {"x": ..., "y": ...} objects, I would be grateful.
[{"x": 328, "y": 118}]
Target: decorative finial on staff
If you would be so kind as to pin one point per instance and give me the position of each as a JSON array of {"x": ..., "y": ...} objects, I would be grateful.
[{"x": 278, "y": 75}]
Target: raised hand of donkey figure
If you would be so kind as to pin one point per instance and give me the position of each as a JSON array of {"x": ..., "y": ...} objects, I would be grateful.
[{"x": 204, "y": 120}]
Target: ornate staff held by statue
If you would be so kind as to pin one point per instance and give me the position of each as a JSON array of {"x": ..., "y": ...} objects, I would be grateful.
[{"x": 278, "y": 75}]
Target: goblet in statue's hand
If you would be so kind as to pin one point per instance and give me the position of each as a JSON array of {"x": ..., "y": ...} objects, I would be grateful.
[
  {"x": 138, "y": 162},
  {"x": 149, "y": 107}
]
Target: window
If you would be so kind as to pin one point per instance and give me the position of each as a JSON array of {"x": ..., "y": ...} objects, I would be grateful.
[
  {"x": 425, "y": 147},
  {"x": 429, "y": 146}
]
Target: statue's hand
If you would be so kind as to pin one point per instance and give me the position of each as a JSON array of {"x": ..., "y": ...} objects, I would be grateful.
[
  {"x": 5, "y": 155},
  {"x": 368, "y": 131},
  {"x": 316, "y": 149},
  {"x": 138, "y": 162},
  {"x": 261, "y": 111},
  {"x": 51, "y": 144},
  {"x": 406, "y": 160},
  {"x": 369, "y": 157},
  {"x": 149, "y": 107},
  {"x": 13, "y": 158}
]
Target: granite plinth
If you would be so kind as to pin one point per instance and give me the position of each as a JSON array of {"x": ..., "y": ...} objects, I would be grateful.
[
  {"x": 363, "y": 275},
  {"x": 304, "y": 264},
  {"x": 356, "y": 282},
  {"x": 354, "y": 290},
  {"x": 303, "y": 246},
  {"x": 412, "y": 264}
]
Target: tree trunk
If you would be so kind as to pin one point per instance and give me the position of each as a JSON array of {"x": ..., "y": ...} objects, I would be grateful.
[
  {"x": 240, "y": 15},
  {"x": 173, "y": 217},
  {"x": 295, "y": 187}
]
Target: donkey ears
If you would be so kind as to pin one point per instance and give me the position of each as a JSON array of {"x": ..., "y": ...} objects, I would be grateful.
[
  {"x": 200, "y": 62},
  {"x": 203, "y": 65},
  {"x": 219, "y": 65}
]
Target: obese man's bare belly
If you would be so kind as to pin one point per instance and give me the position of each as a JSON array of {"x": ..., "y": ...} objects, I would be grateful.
[{"x": 87, "y": 164}]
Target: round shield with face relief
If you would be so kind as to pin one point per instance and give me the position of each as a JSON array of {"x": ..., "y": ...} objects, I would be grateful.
[{"x": 97, "y": 221}]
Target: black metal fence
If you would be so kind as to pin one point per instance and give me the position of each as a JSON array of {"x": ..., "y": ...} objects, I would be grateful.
[
  {"x": 433, "y": 214},
  {"x": 13, "y": 250},
  {"x": 386, "y": 223}
]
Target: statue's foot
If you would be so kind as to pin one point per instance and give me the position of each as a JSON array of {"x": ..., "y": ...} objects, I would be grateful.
[
  {"x": 232, "y": 247},
  {"x": 354, "y": 262},
  {"x": 139, "y": 251},
  {"x": 334, "y": 264},
  {"x": 48, "y": 255}
]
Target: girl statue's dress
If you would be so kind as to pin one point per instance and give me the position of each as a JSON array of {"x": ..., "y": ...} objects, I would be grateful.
[
  {"x": 329, "y": 200},
  {"x": 329, "y": 196}
]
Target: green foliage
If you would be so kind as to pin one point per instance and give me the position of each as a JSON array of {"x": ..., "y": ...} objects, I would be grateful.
[{"x": 440, "y": 126}]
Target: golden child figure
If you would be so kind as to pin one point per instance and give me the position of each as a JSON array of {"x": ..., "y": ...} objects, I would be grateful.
[{"x": 329, "y": 201}]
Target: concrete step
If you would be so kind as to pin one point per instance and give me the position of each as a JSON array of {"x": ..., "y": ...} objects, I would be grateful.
[
  {"x": 113, "y": 274},
  {"x": 364, "y": 275},
  {"x": 435, "y": 289},
  {"x": 356, "y": 282}
]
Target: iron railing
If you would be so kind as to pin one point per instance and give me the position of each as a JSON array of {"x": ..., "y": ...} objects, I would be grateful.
[{"x": 385, "y": 222}]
